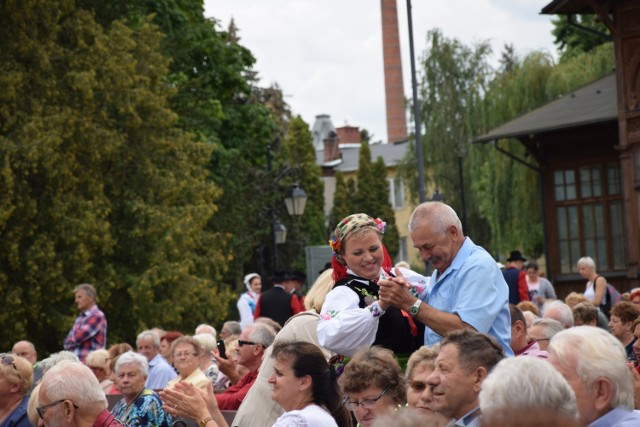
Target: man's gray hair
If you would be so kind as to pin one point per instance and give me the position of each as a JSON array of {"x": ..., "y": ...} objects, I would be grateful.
[
  {"x": 74, "y": 381},
  {"x": 440, "y": 216},
  {"x": 56, "y": 358},
  {"x": 149, "y": 334},
  {"x": 527, "y": 382},
  {"x": 234, "y": 327},
  {"x": 559, "y": 311},
  {"x": 548, "y": 327},
  {"x": 262, "y": 334},
  {"x": 132, "y": 357},
  {"x": 593, "y": 354},
  {"x": 88, "y": 289}
]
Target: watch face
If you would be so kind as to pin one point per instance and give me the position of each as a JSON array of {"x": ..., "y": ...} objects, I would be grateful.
[{"x": 413, "y": 310}]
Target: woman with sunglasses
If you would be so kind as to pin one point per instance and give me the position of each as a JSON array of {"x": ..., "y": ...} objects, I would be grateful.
[
  {"x": 373, "y": 384},
  {"x": 16, "y": 374}
]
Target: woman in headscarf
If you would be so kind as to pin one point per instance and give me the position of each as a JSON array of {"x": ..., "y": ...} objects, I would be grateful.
[
  {"x": 247, "y": 301},
  {"x": 352, "y": 317}
]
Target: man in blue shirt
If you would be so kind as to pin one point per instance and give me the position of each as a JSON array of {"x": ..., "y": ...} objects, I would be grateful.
[
  {"x": 160, "y": 372},
  {"x": 467, "y": 289}
]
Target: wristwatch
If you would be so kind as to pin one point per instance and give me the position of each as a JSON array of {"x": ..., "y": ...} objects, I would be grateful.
[
  {"x": 415, "y": 308},
  {"x": 204, "y": 421}
]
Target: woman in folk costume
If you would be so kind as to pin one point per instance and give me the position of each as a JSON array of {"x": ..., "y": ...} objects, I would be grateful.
[
  {"x": 351, "y": 316},
  {"x": 247, "y": 301}
]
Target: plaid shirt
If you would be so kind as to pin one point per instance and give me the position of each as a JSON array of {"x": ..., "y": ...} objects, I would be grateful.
[{"x": 88, "y": 333}]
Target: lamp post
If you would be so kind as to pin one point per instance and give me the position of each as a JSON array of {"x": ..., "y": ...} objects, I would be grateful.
[{"x": 295, "y": 201}]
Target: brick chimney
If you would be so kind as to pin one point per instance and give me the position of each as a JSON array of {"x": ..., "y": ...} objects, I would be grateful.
[
  {"x": 348, "y": 134},
  {"x": 331, "y": 147},
  {"x": 393, "y": 84}
]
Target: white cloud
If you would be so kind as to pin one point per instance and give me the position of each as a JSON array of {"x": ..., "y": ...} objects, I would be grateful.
[{"x": 326, "y": 55}]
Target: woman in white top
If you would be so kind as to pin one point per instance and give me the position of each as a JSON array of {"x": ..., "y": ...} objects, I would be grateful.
[
  {"x": 596, "y": 288},
  {"x": 303, "y": 384},
  {"x": 248, "y": 300}
]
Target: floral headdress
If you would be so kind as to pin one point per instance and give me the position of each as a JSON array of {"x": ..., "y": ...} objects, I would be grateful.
[{"x": 344, "y": 229}]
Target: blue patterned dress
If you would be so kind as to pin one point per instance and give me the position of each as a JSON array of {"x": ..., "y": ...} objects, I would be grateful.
[{"x": 145, "y": 411}]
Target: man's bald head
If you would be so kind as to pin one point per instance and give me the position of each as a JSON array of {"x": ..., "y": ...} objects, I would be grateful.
[{"x": 27, "y": 350}]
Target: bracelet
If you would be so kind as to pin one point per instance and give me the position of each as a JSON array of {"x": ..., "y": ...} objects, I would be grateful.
[{"x": 204, "y": 421}]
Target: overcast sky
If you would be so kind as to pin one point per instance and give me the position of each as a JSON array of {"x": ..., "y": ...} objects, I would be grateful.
[{"x": 326, "y": 55}]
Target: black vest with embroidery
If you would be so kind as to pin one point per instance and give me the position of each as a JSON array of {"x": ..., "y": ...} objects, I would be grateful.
[{"x": 394, "y": 329}]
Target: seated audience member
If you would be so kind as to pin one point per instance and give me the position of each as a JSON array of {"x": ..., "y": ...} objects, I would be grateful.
[
  {"x": 27, "y": 350},
  {"x": 410, "y": 417},
  {"x": 56, "y": 358},
  {"x": 139, "y": 405},
  {"x": 528, "y": 306},
  {"x": 634, "y": 296},
  {"x": 114, "y": 352},
  {"x": 465, "y": 360},
  {"x": 160, "y": 372},
  {"x": 623, "y": 315},
  {"x": 594, "y": 363},
  {"x": 420, "y": 366},
  {"x": 542, "y": 331},
  {"x": 207, "y": 363},
  {"x": 203, "y": 328},
  {"x": 98, "y": 362},
  {"x": 257, "y": 408},
  {"x": 71, "y": 396},
  {"x": 16, "y": 377},
  {"x": 229, "y": 328},
  {"x": 166, "y": 341},
  {"x": 520, "y": 344},
  {"x": 575, "y": 298},
  {"x": 529, "y": 318},
  {"x": 373, "y": 384},
  {"x": 270, "y": 322},
  {"x": 557, "y": 310},
  {"x": 529, "y": 385},
  {"x": 185, "y": 352},
  {"x": 585, "y": 313},
  {"x": 253, "y": 342},
  {"x": 513, "y": 417}
]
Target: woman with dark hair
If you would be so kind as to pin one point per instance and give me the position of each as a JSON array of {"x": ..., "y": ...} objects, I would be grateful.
[
  {"x": 352, "y": 316},
  {"x": 305, "y": 387},
  {"x": 303, "y": 384}
]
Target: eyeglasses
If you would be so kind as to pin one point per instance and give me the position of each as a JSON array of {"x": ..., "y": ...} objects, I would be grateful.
[
  {"x": 540, "y": 339},
  {"x": 352, "y": 405},
  {"x": 242, "y": 342},
  {"x": 187, "y": 354},
  {"x": 41, "y": 409}
]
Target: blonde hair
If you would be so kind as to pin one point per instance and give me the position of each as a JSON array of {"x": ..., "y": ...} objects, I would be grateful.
[
  {"x": 19, "y": 372},
  {"x": 319, "y": 290}
]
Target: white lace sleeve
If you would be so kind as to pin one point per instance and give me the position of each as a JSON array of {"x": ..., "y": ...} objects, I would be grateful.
[{"x": 344, "y": 327}]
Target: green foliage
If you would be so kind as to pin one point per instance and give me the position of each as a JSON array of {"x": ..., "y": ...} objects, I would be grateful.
[
  {"x": 462, "y": 98},
  {"x": 572, "y": 40},
  {"x": 300, "y": 157},
  {"x": 98, "y": 183},
  {"x": 343, "y": 204}
]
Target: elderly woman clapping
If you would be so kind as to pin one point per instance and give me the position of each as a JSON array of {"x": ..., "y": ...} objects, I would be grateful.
[
  {"x": 185, "y": 352},
  {"x": 139, "y": 406}
]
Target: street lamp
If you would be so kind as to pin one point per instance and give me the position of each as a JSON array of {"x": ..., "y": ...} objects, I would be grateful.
[
  {"x": 437, "y": 196},
  {"x": 295, "y": 200}
]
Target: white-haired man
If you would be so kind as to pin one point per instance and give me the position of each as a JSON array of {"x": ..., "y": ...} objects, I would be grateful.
[
  {"x": 160, "y": 372},
  {"x": 467, "y": 290},
  {"x": 557, "y": 310},
  {"x": 594, "y": 363},
  {"x": 71, "y": 396}
]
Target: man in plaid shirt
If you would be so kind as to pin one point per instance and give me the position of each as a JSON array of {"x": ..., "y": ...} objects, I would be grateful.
[{"x": 90, "y": 330}]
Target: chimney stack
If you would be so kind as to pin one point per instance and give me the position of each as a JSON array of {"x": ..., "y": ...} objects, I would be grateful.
[{"x": 393, "y": 84}]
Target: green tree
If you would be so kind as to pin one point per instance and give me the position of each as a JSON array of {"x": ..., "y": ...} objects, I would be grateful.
[
  {"x": 99, "y": 184},
  {"x": 300, "y": 160},
  {"x": 342, "y": 201},
  {"x": 575, "y": 34}
]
